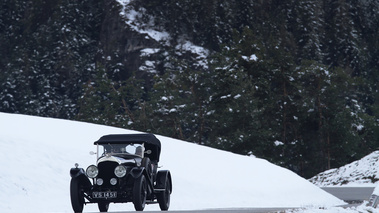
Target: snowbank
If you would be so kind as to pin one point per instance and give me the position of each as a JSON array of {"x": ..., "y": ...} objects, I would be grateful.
[
  {"x": 363, "y": 173},
  {"x": 39, "y": 152}
]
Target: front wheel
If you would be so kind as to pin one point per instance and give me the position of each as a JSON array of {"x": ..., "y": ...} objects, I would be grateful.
[
  {"x": 139, "y": 193},
  {"x": 77, "y": 196},
  {"x": 164, "y": 197},
  {"x": 103, "y": 206}
]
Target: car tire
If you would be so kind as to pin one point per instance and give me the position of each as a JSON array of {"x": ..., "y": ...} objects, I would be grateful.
[
  {"x": 103, "y": 206},
  {"x": 164, "y": 197},
  {"x": 77, "y": 196},
  {"x": 139, "y": 193}
]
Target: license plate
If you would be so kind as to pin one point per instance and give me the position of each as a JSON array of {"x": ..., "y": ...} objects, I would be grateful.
[{"x": 104, "y": 194}]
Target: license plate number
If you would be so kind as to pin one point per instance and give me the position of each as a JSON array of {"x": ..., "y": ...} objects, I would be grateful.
[{"x": 104, "y": 194}]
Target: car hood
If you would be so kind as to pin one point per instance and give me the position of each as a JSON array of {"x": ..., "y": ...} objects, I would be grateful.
[{"x": 115, "y": 159}]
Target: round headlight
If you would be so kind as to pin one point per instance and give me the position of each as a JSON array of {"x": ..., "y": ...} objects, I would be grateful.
[
  {"x": 120, "y": 171},
  {"x": 92, "y": 171}
]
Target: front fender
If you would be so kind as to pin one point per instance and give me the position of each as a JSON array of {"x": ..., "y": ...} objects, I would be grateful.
[
  {"x": 76, "y": 172},
  {"x": 79, "y": 180},
  {"x": 162, "y": 176},
  {"x": 80, "y": 174},
  {"x": 136, "y": 172}
]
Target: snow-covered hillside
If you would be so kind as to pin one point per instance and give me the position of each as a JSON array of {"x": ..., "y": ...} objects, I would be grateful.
[
  {"x": 38, "y": 153},
  {"x": 363, "y": 172}
]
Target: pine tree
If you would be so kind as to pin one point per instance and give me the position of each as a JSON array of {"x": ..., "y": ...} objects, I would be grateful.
[
  {"x": 328, "y": 111},
  {"x": 109, "y": 102},
  {"x": 52, "y": 55},
  {"x": 178, "y": 101},
  {"x": 340, "y": 41}
]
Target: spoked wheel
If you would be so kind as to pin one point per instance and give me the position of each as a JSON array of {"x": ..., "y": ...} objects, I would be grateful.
[
  {"x": 164, "y": 197},
  {"x": 103, "y": 206},
  {"x": 139, "y": 193},
  {"x": 77, "y": 196}
]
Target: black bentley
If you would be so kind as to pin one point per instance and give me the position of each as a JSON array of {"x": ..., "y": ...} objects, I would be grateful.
[{"x": 125, "y": 171}]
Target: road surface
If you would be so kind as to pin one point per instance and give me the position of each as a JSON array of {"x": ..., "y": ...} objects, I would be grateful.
[
  {"x": 252, "y": 210},
  {"x": 348, "y": 194}
]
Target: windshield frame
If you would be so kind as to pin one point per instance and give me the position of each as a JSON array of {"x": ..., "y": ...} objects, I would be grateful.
[{"x": 113, "y": 149}]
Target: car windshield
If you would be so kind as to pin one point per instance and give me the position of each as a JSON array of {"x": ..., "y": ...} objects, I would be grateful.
[{"x": 120, "y": 149}]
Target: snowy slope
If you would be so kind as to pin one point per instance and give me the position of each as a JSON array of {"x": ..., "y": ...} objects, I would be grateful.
[
  {"x": 38, "y": 153},
  {"x": 363, "y": 172}
]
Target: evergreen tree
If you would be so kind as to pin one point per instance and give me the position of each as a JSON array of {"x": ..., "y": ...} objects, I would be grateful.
[
  {"x": 179, "y": 98},
  {"x": 328, "y": 113},
  {"x": 305, "y": 23},
  {"x": 340, "y": 41},
  {"x": 52, "y": 56},
  {"x": 109, "y": 102}
]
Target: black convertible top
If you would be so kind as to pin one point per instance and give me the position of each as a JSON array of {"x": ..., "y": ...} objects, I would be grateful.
[{"x": 151, "y": 142}]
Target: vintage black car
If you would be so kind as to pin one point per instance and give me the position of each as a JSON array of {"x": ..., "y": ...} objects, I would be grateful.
[{"x": 125, "y": 171}]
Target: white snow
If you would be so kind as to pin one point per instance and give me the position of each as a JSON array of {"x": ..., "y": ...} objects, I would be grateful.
[
  {"x": 131, "y": 15},
  {"x": 359, "y": 209},
  {"x": 363, "y": 172},
  {"x": 278, "y": 143},
  {"x": 149, "y": 66},
  {"x": 253, "y": 57},
  {"x": 189, "y": 46},
  {"x": 237, "y": 96},
  {"x": 201, "y": 52},
  {"x": 38, "y": 153},
  {"x": 376, "y": 190},
  {"x": 149, "y": 51}
]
